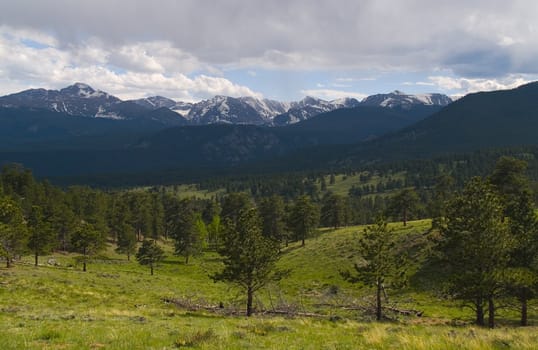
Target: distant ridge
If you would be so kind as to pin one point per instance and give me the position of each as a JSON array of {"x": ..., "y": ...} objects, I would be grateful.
[{"x": 81, "y": 99}]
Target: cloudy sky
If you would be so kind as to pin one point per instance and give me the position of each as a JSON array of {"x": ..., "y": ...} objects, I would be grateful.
[{"x": 281, "y": 49}]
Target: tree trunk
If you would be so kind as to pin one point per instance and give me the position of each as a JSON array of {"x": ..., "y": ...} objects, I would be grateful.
[
  {"x": 187, "y": 259},
  {"x": 36, "y": 258},
  {"x": 479, "y": 312},
  {"x": 249, "y": 301},
  {"x": 491, "y": 313},
  {"x": 524, "y": 321},
  {"x": 8, "y": 262},
  {"x": 128, "y": 256},
  {"x": 64, "y": 242},
  {"x": 84, "y": 261},
  {"x": 378, "y": 301},
  {"x": 405, "y": 217},
  {"x": 151, "y": 269}
]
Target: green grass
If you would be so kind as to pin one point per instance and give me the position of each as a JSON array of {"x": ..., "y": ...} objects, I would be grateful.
[
  {"x": 118, "y": 305},
  {"x": 343, "y": 183}
]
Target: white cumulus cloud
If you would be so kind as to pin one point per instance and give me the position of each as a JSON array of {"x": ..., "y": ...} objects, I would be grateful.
[{"x": 129, "y": 71}]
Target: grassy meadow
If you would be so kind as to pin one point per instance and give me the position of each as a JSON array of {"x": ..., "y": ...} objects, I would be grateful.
[{"x": 118, "y": 305}]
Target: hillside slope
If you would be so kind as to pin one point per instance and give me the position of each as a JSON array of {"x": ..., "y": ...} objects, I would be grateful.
[{"x": 477, "y": 121}]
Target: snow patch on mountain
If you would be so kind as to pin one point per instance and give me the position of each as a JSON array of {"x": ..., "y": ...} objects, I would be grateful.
[
  {"x": 403, "y": 100},
  {"x": 82, "y": 100}
]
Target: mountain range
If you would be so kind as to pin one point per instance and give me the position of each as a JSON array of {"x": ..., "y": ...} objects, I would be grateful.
[
  {"x": 82, "y": 100},
  {"x": 56, "y": 143}
]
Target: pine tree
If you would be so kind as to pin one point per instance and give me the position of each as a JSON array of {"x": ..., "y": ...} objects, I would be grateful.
[
  {"x": 303, "y": 218},
  {"x": 150, "y": 254},
  {"x": 403, "y": 203},
  {"x": 249, "y": 257},
  {"x": 333, "y": 210},
  {"x": 188, "y": 240},
  {"x": 87, "y": 240},
  {"x": 383, "y": 263},
  {"x": 157, "y": 216},
  {"x": 233, "y": 204},
  {"x": 41, "y": 237},
  {"x": 510, "y": 181},
  {"x": 475, "y": 247},
  {"x": 13, "y": 231},
  {"x": 126, "y": 239},
  {"x": 272, "y": 213}
]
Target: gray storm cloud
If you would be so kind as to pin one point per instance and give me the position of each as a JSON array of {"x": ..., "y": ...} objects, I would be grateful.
[
  {"x": 407, "y": 34},
  {"x": 182, "y": 48}
]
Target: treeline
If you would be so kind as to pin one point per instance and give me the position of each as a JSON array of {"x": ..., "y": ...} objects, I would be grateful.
[{"x": 38, "y": 218}]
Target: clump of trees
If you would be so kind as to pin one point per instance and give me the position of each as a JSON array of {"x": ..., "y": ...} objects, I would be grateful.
[{"x": 489, "y": 241}]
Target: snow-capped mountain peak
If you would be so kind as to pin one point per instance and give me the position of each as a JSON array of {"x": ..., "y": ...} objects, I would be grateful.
[
  {"x": 345, "y": 102},
  {"x": 400, "y": 99},
  {"x": 154, "y": 102},
  {"x": 81, "y": 99},
  {"x": 83, "y": 90}
]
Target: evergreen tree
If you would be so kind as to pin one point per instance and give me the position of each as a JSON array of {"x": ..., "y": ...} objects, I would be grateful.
[
  {"x": 404, "y": 203},
  {"x": 475, "y": 247},
  {"x": 119, "y": 216},
  {"x": 383, "y": 263},
  {"x": 249, "y": 257},
  {"x": 442, "y": 194},
  {"x": 171, "y": 209},
  {"x": 272, "y": 213},
  {"x": 150, "y": 254},
  {"x": 233, "y": 204},
  {"x": 332, "y": 179},
  {"x": 13, "y": 231},
  {"x": 141, "y": 214},
  {"x": 126, "y": 239},
  {"x": 41, "y": 237},
  {"x": 333, "y": 210},
  {"x": 157, "y": 216},
  {"x": 188, "y": 240},
  {"x": 17, "y": 182},
  {"x": 303, "y": 218},
  {"x": 323, "y": 184},
  {"x": 63, "y": 222},
  {"x": 510, "y": 181},
  {"x": 87, "y": 240},
  {"x": 211, "y": 210}
]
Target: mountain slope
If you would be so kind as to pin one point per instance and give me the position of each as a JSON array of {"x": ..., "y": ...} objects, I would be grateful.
[
  {"x": 39, "y": 129},
  {"x": 189, "y": 148},
  {"x": 481, "y": 120},
  {"x": 78, "y": 99},
  {"x": 82, "y": 100},
  {"x": 361, "y": 123}
]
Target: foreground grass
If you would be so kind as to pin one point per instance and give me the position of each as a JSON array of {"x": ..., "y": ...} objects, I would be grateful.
[{"x": 118, "y": 305}]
